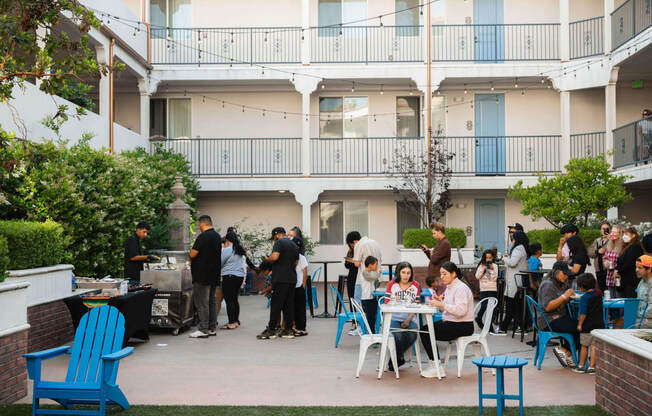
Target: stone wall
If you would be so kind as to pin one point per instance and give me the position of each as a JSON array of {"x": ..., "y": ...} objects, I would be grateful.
[
  {"x": 13, "y": 374},
  {"x": 50, "y": 326},
  {"x": 623, "y": 381}
]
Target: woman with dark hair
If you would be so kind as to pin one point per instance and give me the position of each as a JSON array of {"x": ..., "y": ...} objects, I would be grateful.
[
  {"x": 233, "y": 272},
  {"x": 553, "y": 296},
  {"x": 403, "y": 288},
  {"x": 351, "y": 239},
  {"x": 516, "y": 261},
  {"x": 579, "y": 257},
  {"x": 456, "y": 305},
  {"x": 300, "y": 288},
  {"x": 626, "y": 263},
  {"x": 487, "y": 274}
]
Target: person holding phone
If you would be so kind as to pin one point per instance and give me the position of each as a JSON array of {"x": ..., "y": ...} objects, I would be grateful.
[
  {"x": 487, "y": 274},
  {"x": 440, "y": 253}
]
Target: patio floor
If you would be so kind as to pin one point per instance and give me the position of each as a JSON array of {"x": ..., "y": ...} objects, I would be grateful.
[{"x": 234, "y": 368}]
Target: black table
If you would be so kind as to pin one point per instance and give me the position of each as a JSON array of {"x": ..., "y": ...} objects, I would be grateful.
[
  {"x": 135, "y": 306},
  {"x": 325, "y": 314}
]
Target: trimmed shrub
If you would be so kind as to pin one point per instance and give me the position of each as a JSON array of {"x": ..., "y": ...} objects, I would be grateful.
[
  {"x": 549, "y": 239},
  {"x": 4, "y": 258},
  {"x": 414, "y": 237},
  {"x": 33, "y": 244}
]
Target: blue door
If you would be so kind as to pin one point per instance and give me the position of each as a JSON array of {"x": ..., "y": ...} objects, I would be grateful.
[
  {"x": 490, "y": 223},
  {"x": 488, "y": 31},
  {"x": 490, "y": 134}
]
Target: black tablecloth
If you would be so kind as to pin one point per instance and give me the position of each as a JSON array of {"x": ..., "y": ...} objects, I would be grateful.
[{"x": 135, "y": 306}]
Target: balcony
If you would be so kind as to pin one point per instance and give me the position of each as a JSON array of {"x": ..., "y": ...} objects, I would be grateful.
[
  {"x": 628, "y": 20},
  {"x": 633, "y": 144},
  {"x": 586, "y": 37},
  {"x": 587, "y": 144}
]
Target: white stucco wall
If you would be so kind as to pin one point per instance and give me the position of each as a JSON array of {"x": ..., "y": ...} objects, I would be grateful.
[
  {"x": 585, "y": 9},
  {"x": 630, "y": 102},
  {"x": 127, "y": 111},
  {"x": 587, "y": 110}
]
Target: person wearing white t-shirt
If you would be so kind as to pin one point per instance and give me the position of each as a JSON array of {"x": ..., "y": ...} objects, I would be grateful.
[
  {"x": 300, "y": 291},
  {"x": 368, "y": 274}
]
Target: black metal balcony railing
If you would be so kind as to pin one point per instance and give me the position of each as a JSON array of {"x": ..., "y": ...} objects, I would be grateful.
[
  {"x": 365, "y": 44},
  {"x": 630, "y": 19},
  {"x": 586, "y": 37},
  {"x": 257, "y": 45},
  {"x": 587, "y": 144},
  {"x": 633, "y": 143},
  {"x": 503, "y": 154},
  {"x": 239, "y": 156},
  {"x": 363, "y": 156},
  {"x": 496, "y": 42}
]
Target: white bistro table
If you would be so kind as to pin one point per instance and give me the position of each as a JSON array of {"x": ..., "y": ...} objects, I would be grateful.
[{"x": 388, "y": 310}]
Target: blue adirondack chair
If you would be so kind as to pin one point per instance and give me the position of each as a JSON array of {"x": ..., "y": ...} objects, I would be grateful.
[
  {"x": 92, "y": 369},
  {"x": 345, "y": 316},
  {"x": 546, "y": 336}
]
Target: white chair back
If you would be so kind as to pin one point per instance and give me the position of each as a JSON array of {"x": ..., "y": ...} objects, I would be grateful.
[
  {"x": 488, "y": 314},
  {"x": 357, "y": 308}
]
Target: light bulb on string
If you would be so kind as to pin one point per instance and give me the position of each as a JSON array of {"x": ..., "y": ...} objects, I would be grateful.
[
  {"x": 381, "y": 89},
  {"x": 421, "y": 10},
  {"x": 522, "y": 91},
  {"x": 380, "y": 19},
  {"x": 222, "y": 104},
  {"x": 543, "y": 80},
  {"x": 492, "y": 86},
  {"x": 263, "y": 112},
  {"x": 231, "y": 37},
  {"x": 302, "y": 37},
  {"x": 516, "y": 83},
  {"x": 203, "y": 99},
  {"x": 285, "y": 116},
  {"x": 185, "y": 93},
  {"x": 293, "y": 77},
  {"x": 438, "y": 92},
  {"x": 265, "y": 40},
  {"x": 340, "y": 29},
  {"x": 243, "y": 108},
  {"x": 199, "y": 37},
  {"x": 465, "y": 90},
  {"x": 353, "y": 87},
  {"x": 323, "y": 86}
]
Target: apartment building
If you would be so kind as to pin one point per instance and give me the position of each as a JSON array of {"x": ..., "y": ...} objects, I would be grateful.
[{"x": 291, "y": 111}]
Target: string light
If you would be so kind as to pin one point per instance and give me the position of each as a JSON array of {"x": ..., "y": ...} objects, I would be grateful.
[
  {"x": 380, "y": 19},
  {"x": 353, "y": 87},
  {"x": 522, "y": 91},
  {"x": 492, "y": 86},
  {"x": 516, "y": 83},
  {"x": 381, "y": 89},
  {"x": 203, "y": 99},
  {"x": 243, "y": 108},
  {"x": 323, "y": 86},
  {"x": 465, "y": 90}
]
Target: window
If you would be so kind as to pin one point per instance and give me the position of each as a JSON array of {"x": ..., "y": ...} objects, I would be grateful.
[
  {"x": 170, "y": 118},
  {"x": 438, "y": 116},
  {"x": 406, "y": 217},
  {"x": 335, "y": 12},
  {"x": 338, "y": 218},
  {"x": 343, "y": 117},
  {"x": 409, "y": 16},
  {"x": 407, "y": 117},
  {"x": 172, "y": 14}
]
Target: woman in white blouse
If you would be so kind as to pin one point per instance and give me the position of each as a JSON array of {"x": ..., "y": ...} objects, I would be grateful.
[{"x": 516, "y": 261}]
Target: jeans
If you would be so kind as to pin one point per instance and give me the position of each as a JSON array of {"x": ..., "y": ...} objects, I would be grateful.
[
  {"x": 567, "y": 325},
  {"x": 445, "y": 331},
  {"x": 282, "y": 300},
  {"x": 230, "y": 290},
  {"x": 403, "y": 340},
  {"x": 370, "y": 308},
  {"x": 203, "y": 297},
  {"x": 483, "y": 307},
  {"x": 300, "y": 308}
]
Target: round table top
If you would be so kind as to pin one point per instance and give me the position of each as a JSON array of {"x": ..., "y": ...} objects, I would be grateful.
[
  {"x": 325, "y": 261},
  {"x": 499, "y": 361}
]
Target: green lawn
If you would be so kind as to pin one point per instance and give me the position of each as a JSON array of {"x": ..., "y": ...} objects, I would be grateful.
[{"x": 23, "y": 409}]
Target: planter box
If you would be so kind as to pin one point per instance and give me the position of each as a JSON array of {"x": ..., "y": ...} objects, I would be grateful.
[
  {"x": 47, "y": 284},
  {"x": 417, "y": 259}
]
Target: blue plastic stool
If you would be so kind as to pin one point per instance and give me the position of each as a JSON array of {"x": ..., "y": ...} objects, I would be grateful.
[{"x": 500, "y": 362}]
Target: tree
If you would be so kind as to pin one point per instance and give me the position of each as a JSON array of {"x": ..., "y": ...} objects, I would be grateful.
[
  {"x": 33, "y": 45},
  {"x": 586, "y": 188},
  {"x": 412, "y": 180}
]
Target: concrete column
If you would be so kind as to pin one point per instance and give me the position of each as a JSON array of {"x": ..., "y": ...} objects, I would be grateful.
[
  {"x": 608, "y": 9},
  {"x": 306, "y": 196},
  {"x": 564, "y": 31},
  {"x": 104, "y": 91},
  {"x": 146, "y": 87},
  {"x": 305, "y": 134},
  {"x": 610, "y": 114},
  {"x": 305, "y": 33},
  {"x": 305, "y": 218},
  {"x": 565, "y": 145}
]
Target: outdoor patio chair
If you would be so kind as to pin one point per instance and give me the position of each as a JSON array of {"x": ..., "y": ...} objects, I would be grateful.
[
  {"x": 345, "y": 316},
  {"x": 369, "y": 339},
  {"x": 545, "y": 336},
  {"x": 92, "y": 369},
  {"x": 314, "y": 278},
  {"x": 478, "y": 340}
]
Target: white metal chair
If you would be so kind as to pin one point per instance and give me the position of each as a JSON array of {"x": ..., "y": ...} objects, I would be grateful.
[
  {"x": 369, "y": 339},
  {"x": 478, "y": 340}
]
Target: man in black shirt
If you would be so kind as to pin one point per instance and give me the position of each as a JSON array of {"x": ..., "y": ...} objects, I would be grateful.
[
  {"x": 134, "y": 257},
  {"x": 205, "y": 265},
  {"x": 284, "y": 257}
]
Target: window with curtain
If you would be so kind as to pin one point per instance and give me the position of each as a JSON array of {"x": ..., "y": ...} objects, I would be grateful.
[
  {"x": 331, "y": 223},
  {"x": 409, "y": 16},
  {"x": 157, "y": 13},
  {"x": 172, "y": 14},
  {"x": 438, "y": 116},
  {"x": 405, "y": 218},
  {"x": 356, "y": 217},
  {"x": 179, "y": 118},
  {"x": 157, "y": 117},
  {"x": 335, "y": 12},
  {"x": 407, "y": 117},
  {"x": 343, "y": 117}
]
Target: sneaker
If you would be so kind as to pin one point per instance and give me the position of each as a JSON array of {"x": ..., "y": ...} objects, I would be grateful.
[
  {"x": 519, "y": 331},
  {"x": 561, "y": 356},
  {"x": 355, "y": 332},
  {"x": 212, "y": 333},
  {"x": 287, "y": 334},
  {"x": 578, "y": 370},
  {"x": 431, "y": 371},
  {"x": 198, "y": 334},
  {"x": 570, "y": 362},
  {"x": 498, "y": 332},
  {"x": 267, "y": 334},
  {"x": 590, "y": 370}
]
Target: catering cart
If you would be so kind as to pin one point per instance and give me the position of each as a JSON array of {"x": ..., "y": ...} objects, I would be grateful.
[{"x": 172, "y": 307}]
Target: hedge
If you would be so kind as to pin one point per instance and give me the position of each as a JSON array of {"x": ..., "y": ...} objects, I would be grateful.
[
  {"x": 549, "y": 239},
  {"x": 414, "y": 237},
  {"x": 4, "y": 258},
  {"x": 33, "y": 244}
]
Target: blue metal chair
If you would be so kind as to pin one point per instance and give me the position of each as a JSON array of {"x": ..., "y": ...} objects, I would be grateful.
[
  {"x": 92, "y": 369},
  {"x": 545, "y": 336},
  {"x": 314, "y": 278},
  {"x": 345, "y": 316}
]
